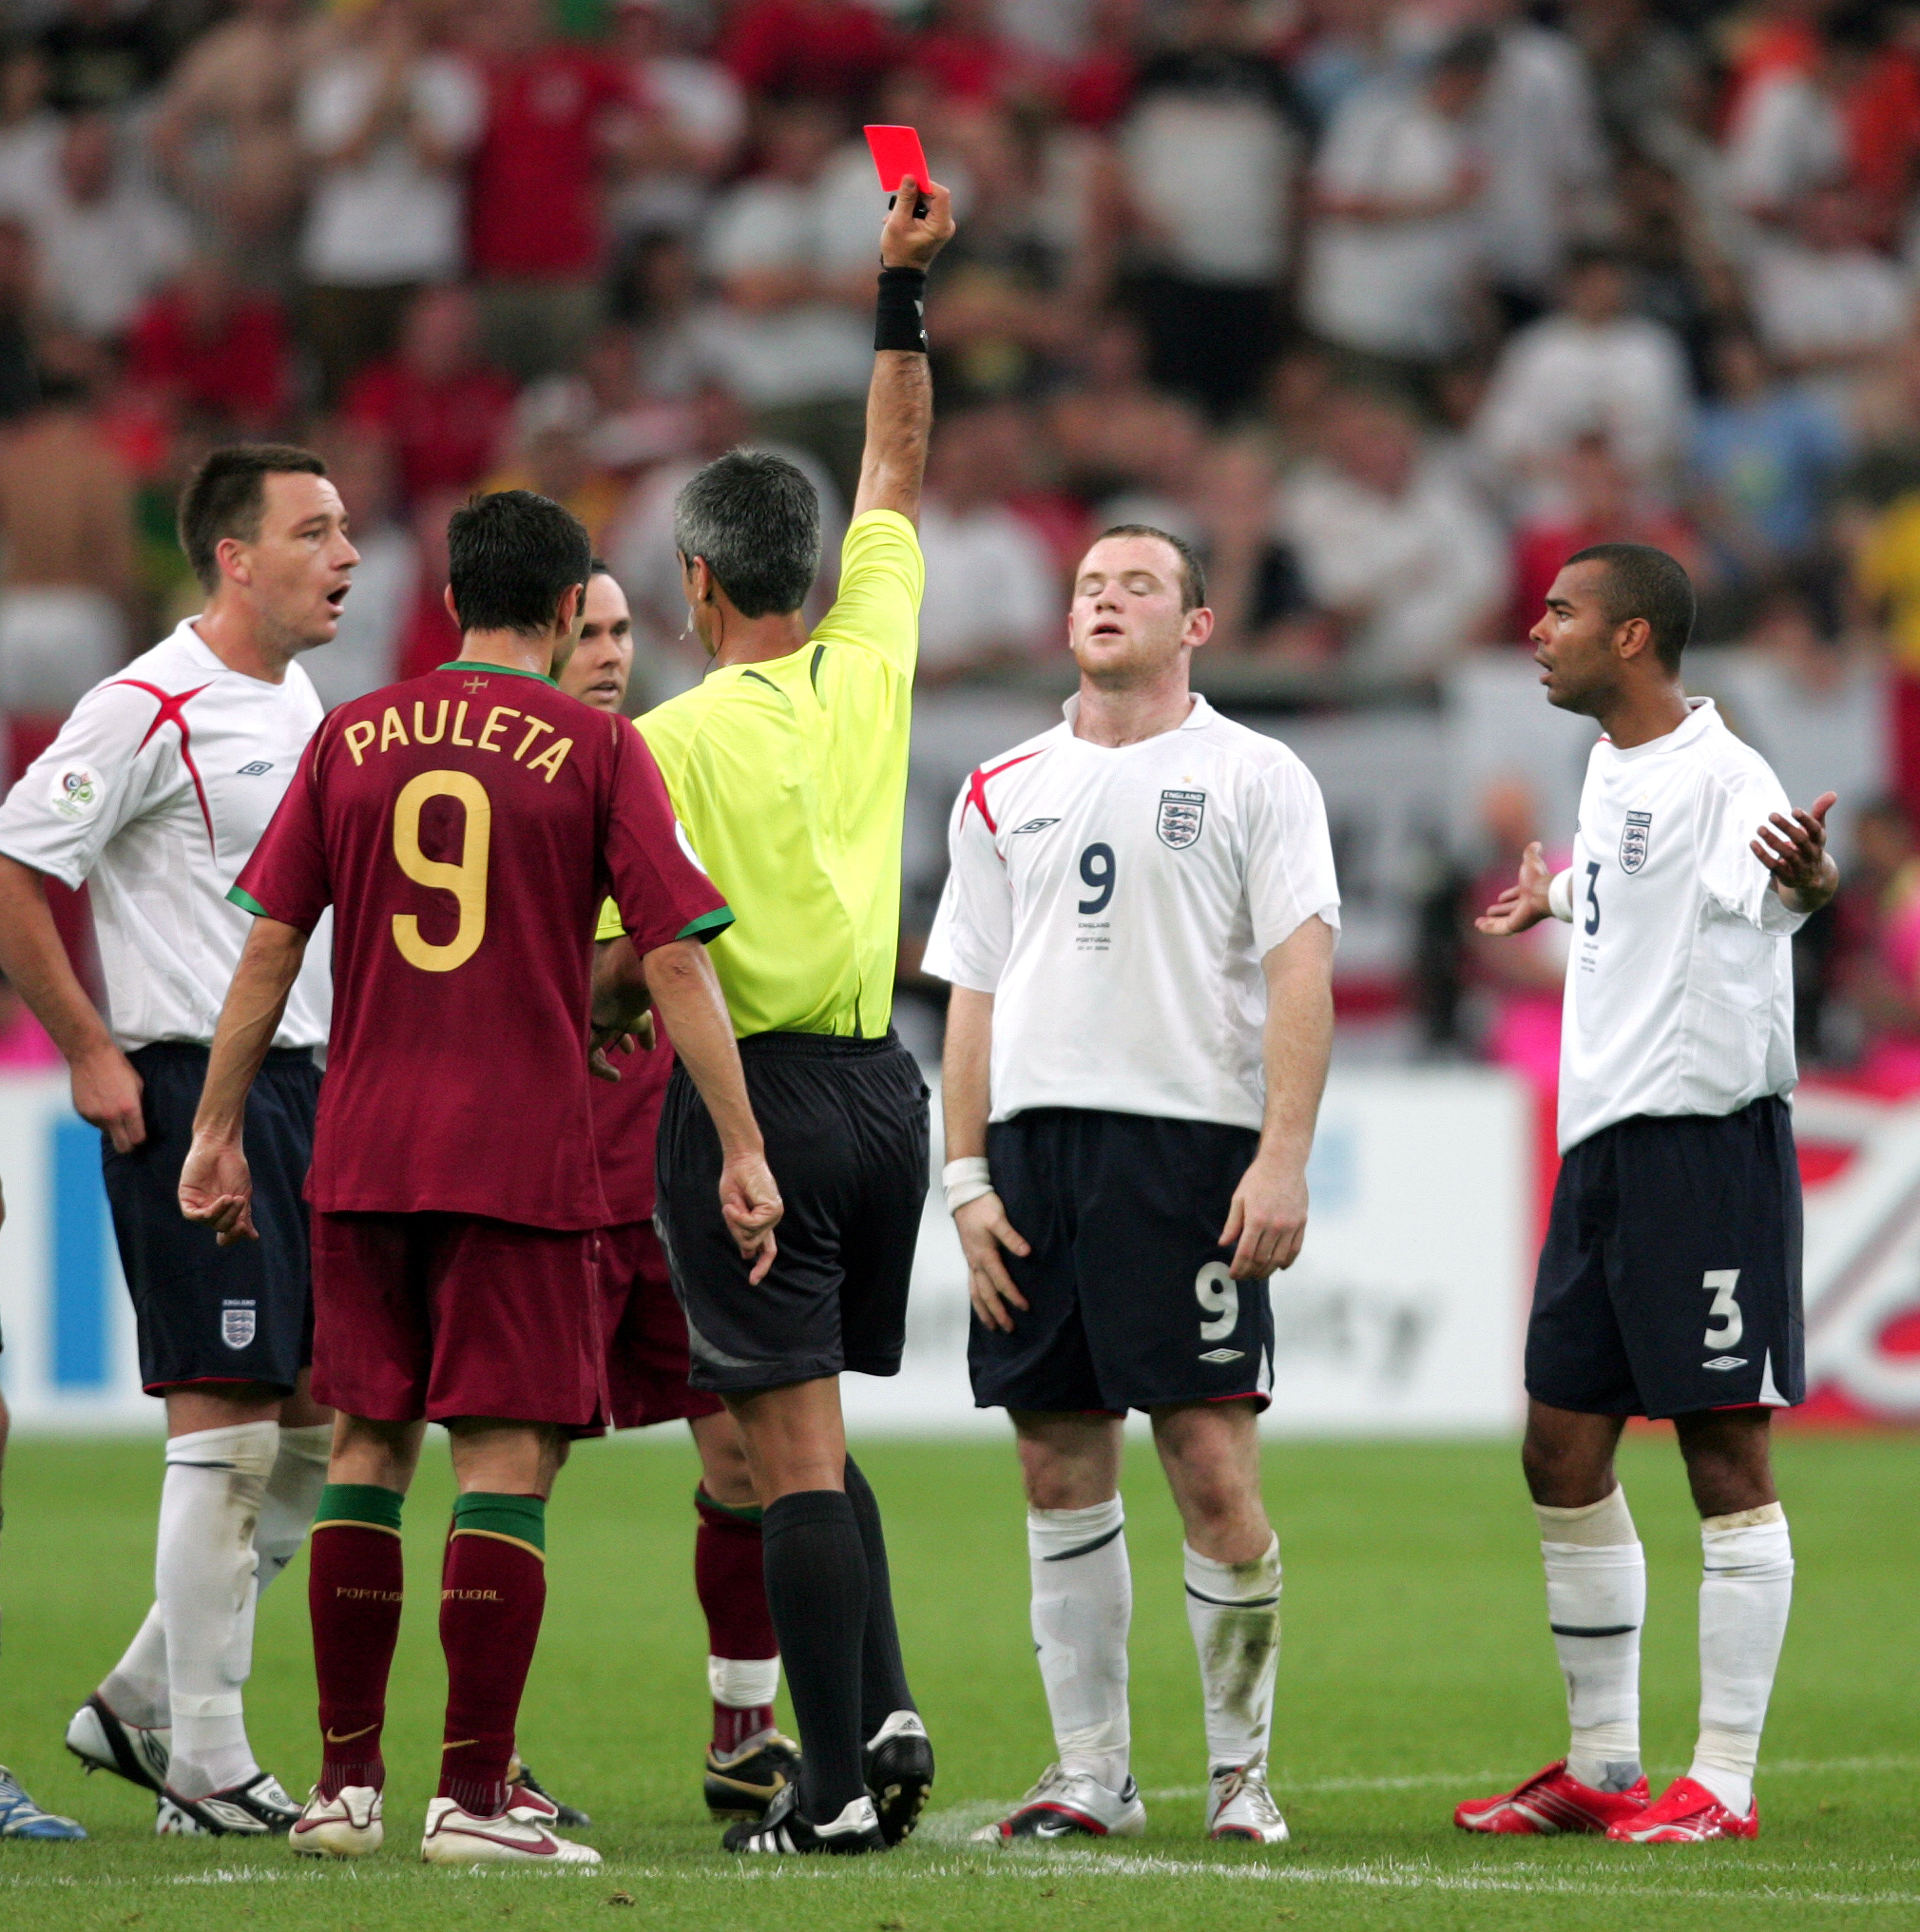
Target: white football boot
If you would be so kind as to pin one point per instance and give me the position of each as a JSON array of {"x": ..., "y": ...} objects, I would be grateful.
[
  {"x": 103, "y": 1741},
  {"x": 346, "y": 1825},
  {"x": 1070, "y": 1804},
  {"x": 1239, "y": 1805},
  {"x": 517, "y": 1836}
]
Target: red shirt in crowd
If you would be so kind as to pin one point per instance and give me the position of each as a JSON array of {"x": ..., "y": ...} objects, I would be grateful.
[
  {"x": 533, "y": 195},
  {"x": 833, "y": 49},
  {"x": 466, "y": 828},
  {"x": 444, "y": 435},
  {"x": 239, "y": 369}
]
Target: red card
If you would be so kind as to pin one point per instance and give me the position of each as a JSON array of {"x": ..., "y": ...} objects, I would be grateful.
[{"x": 896, "y": 153}]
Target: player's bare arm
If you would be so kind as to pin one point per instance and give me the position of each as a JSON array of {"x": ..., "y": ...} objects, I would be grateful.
[
  {"x": 106, "y": 1091},
  {"x": 686, "y": 994},
  {"x": 982, "y": 1224},
  {"x": 215, "y": 1186},
  {"x": 899, "y": 401},
  {"x": 1524, "y": 903},
  {"x": 1794, "y": 849},
  {"x": 1267, "y": 1221}
]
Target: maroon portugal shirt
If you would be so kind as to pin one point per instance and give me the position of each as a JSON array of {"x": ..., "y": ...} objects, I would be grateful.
[
  {"x": 626, "y": 1126},
  {"x": 466, "y": 827}
]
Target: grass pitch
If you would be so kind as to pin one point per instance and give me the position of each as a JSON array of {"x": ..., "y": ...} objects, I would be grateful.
[{"x": 1417, "y": 1670}]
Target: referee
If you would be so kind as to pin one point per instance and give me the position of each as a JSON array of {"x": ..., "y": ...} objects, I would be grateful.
[{"x": 788, "y": 768}]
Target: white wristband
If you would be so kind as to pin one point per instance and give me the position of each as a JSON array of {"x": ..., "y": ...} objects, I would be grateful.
[
  {"x": 1560, "y": 895},
  {"x": 964, "y": 1181}
]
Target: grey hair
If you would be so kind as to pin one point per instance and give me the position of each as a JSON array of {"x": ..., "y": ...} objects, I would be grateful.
[{"x": 756, "y": 519}]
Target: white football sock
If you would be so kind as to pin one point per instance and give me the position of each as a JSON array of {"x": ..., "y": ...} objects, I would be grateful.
[
  {"x": 1233, "y": 1610},
  {"x": 1082, "y": 1604},
  {"x": 293, "y": 1493},
  {"x": 1596, "y": 1602},
  {"x": 204, "y": 1578},
  {"x": 1746, "y": 1590},
  {"x": 135, "y": 1689}
]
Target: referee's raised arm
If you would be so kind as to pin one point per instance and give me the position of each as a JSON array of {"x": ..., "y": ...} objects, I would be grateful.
[{"x": 899, "y": 400}]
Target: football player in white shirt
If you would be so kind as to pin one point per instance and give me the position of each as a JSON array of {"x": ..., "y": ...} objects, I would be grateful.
[
  {"x": 1669, "y": 1285},
  {"x": 156, "y": 791},
  {"x": 1139, "y": 928}
]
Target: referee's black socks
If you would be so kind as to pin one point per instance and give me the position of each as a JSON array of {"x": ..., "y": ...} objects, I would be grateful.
[
  {"x": 818, "y": 1591},
  {"x": 882, "y": 1674}
]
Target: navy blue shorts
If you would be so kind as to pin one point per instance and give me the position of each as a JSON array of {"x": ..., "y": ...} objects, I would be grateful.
[
  {"x": 1669, "y": 1282},
  {"x": 205, "y": 1313},
  {"x": 1129, "y": 1303}
]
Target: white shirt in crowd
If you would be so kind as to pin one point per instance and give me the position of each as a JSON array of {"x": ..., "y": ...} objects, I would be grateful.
[
  {"x": 100, "y": 260},
  {"x": 1788, "y": 137},
  {"x": 1819, "y": 301},
  {"x": 1679, "y": 994},
  {"x": 990, "y": 585},
  {"x": 155, "y": 794},
  {"x": 387, "y": 218},
  {"x": 1117, "y": 903},
  {"x": 1560, "y": 378},
  {"x": 1393, "y": 287},
  {"x": 1418, "y": 575}
]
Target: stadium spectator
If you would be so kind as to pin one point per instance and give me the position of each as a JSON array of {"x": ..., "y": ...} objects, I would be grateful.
[
  {"x": 1591, "y": 367},
  {"x": 832, "y": 51},
  {"x": 107, "y": 241},
  {"x": 1880, "y": 911},
  {"x": 965, "y": 51},
  {"x": 1344, "y": 47},
  {"x": 19, "y": 385},
  {"x": 558, "y": 114},
  {"x": 1824, "y": 301},
  {"x": 551, "y": 453},
  {"x": 694, "y": 118},
  {"x": 224, "y": 136},
  {"x": 29, "y": 130},
  {"x": 1208, "y": 110},
  {"x": 1763, "y": 453},
  {"x": 1094, "y": 82},
  {"x": 993, "y": 592},
  {"x": 1391, "y": 261},
  {"x": 656, "y": 295},
  {"x": 445, "y": 408},
  {"x": 1393, "y": 541},
  {"x": 210, "y": 348},
  {"x": 102, "y": 56},
  {"x": 387, "y": 120},
  {"x": 67, "y": 589}
]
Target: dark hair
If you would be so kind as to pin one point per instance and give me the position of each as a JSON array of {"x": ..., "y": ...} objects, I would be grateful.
[
  {"x": 511, "y": 557},
  {"x": 756, "y": 519},
  {"x": 1640, "y": 581},
  {"x": 227, "y": 495},
  {"x": 1193, "y": 572}
]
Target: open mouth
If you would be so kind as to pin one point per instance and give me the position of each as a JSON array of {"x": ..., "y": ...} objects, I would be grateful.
[
  {"x": 337, "y": 597},
  {"x": 1108, "y": 629}
]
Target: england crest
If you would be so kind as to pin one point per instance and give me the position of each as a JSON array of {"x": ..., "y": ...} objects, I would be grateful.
[
  {"x": 238, "y": 1323},
  {"x": 1181, "y": 814},
  {"x": 1633, "y": 841}
]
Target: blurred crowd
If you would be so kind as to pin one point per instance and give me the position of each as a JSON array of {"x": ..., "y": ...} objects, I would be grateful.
[{"x": 1387, "y": 305}]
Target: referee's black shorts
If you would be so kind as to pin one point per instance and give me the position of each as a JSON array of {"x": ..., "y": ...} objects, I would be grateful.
[
  {"x": 845, "y": 1124},
  {"x": 204, "y": 1313}
]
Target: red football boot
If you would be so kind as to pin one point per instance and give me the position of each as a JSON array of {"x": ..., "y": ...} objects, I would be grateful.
[
  {"x": 1553, "y": 1801},
  {"x": 1686, "y": 1813}
]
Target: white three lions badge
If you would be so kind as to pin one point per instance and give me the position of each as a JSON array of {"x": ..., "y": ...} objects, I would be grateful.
[
  {"x": 238, "y": 1323},
  {"x": 1181, "y": 813},
  {"x": 1633, "y": 841}
]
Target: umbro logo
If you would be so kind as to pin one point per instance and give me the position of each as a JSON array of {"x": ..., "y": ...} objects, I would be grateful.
[
  {"x": 1032, "y": 825},
  {"x": 1223, "y": 1355},
  {"x": 259, "y": 769},
  {"x": 1726, "y": 1362}
]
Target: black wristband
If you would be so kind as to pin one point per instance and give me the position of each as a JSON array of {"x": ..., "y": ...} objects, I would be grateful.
[{"x": 899, "y": 316}]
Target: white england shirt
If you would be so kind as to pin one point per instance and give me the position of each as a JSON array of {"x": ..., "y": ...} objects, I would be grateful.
[
  {"x": 1117, "y": 902},
  {"x": 155, "y": 793},
  {"x": 1679, "y": 994}
]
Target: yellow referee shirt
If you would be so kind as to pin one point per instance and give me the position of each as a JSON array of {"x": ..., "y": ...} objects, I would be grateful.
[{"x": 790, "y": 777}]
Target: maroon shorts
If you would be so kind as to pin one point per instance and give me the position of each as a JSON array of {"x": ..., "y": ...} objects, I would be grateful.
[
  {"x": 443, "y": 1315},
  {"x": 646, "y": 1332}
]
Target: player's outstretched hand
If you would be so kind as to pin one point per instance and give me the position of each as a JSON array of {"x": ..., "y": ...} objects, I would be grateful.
[
  {"x": 106, "y": 1095},
  {"x": 750, "y": 1205},
  {"x": 911, "y": 240},
  {"x": 1268, "y": 1220},
  {"x": 609, "y": 1040},
  {"x": 1524, "y": 902},
  {"x": 1795, "y": 851},
  {"x": 984, "y": 1230},
  {"x": 216, "y": 1188}
]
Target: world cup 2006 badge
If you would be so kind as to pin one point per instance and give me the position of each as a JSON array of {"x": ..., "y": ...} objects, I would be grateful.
[
  {"x": 1180, "y": 813},
  {"x": 1633, "y": 841},
  {"x": 238, "y": 1323}
]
